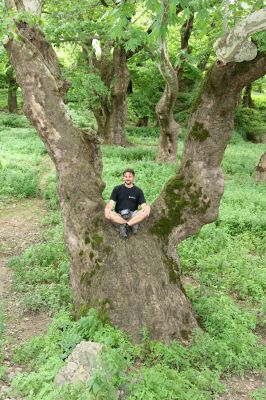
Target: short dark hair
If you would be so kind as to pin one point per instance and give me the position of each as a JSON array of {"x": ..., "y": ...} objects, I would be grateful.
[{"x": 130, "y": 170}]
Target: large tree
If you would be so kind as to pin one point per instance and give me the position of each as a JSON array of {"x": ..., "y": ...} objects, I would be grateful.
[
  {"x": 83, "y": 25},
  {"x": 136, "y": 282},
  {"x": 111, "y": 110}
]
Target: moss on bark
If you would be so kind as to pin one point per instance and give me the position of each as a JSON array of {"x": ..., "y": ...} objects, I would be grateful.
[{"x": 198, "y": 132}]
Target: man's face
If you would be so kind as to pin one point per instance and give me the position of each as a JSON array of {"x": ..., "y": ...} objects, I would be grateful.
[{"x": 128, "y": 178}]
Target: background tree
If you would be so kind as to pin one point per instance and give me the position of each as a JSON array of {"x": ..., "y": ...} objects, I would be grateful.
[
  {"x": 169, "y": 129},
  {"x": 136, "y": 282},
  {"x": 107, "y": 74},
  {"x": 12, "y": 102}
]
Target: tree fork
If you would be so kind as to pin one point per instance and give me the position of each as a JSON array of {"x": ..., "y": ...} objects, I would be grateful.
[
  {"x": 136, "y": 282},
  {"x": 112, "y": 113}
]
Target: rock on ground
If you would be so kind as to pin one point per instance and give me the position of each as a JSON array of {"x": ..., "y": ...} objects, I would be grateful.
[{"x": 81, "y": 364}]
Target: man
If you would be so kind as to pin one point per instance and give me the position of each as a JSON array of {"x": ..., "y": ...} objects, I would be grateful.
[{"x": 125, "y": 200}]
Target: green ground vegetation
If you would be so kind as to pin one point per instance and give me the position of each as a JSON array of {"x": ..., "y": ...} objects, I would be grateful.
[{"x": 223, "y": 265}]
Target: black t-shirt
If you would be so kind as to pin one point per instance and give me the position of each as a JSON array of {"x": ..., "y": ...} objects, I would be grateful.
[{"x": 127, "y": 198}]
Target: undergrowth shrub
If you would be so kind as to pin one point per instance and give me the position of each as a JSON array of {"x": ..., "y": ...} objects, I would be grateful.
[
  {"x": 129, "y": 154},
  {"x": 250, "y": 123},
  {"x": 21, "y": 143},
  {"x": 13, "y": 121},
  {"x": 50, "y": 191},
  {"x": 41, "y": 274},
  {"x": 81, "y": 117},
  {"x": 18, "y": 181},
  {"x": 149, "y": 369},
  {"x": 143, "y": 132}
]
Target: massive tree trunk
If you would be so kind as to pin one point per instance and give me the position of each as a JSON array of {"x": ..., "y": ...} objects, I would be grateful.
[
  {"x": 134, "y": 281},
  {"x": 137, "y": 281},
  {"x": 12, "y": 101},
  {"x": 112, "y": 113}
]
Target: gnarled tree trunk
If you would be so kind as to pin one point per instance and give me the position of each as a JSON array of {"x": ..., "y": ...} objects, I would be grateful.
[
  {"x": 112, "y": 113},
  {"x": 136, "y": 282}
]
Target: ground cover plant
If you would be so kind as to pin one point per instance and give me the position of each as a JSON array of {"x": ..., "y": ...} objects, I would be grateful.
[
  {"x": 22, "y": 156},
  {"x": 224, "y": 275}
]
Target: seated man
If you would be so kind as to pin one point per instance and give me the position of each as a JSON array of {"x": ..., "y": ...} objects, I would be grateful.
[{"x": 125, "y": 199}]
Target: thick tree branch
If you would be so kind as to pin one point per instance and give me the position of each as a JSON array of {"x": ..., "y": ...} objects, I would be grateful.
[
  {"x": 191, "y": 199},
  {"x": 247, "y": 72},
  {"x": 235, "y": 45},
  {"x": 33, "y": 6}
]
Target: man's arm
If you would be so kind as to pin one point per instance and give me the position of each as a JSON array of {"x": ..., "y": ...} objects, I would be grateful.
[
  {"x": 108, "y": 208},
  {"x": 145, "y": 208}
]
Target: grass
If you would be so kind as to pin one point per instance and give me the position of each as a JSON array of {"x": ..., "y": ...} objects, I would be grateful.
[
  {"x": 21, "y": 155},
  {"x": 224, "y": 265}
]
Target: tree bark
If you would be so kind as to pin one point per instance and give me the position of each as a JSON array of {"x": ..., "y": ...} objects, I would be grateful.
[
  {"x": 12, "y": 102},
  {"x": 135, "y": 282}
]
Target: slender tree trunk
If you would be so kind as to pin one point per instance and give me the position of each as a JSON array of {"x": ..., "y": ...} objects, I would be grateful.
[
  {"x": 12, "y": 90},
  {"x": 169, "y": 129},
  {"x": 247, "y": 99},
  {"x": 136, "y": 282}
]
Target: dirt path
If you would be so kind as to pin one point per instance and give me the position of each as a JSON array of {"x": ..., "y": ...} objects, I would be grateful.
[
  {"x": 240, "y": 388},
  {"x": 19, "y": 227}
]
